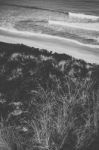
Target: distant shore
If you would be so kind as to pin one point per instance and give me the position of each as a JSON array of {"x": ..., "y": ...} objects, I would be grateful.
[{"x": 52, "y": 43}]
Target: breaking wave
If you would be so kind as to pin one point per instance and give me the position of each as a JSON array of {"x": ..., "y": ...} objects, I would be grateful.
[
  {"x": 30, "y": 34},
  {"x": 83, "y": 16},
  {"x": 84, "y": 26}
]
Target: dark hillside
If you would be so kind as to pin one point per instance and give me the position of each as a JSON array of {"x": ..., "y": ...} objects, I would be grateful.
[{"x": 48, "y": 101}]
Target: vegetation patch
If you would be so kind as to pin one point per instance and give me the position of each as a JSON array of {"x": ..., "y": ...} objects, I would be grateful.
[{"x": 48, "y": 101}]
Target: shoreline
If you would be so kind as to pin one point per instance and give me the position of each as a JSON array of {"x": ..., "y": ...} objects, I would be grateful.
[
  {"x": 51, "y": 43},
  {"x": 26, "y": 33}
]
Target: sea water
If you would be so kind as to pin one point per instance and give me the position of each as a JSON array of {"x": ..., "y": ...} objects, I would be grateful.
[{"x": 74, "y": 19}]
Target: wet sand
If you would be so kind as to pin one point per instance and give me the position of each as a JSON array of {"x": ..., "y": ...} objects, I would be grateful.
[{"x": 52, "y": 43}]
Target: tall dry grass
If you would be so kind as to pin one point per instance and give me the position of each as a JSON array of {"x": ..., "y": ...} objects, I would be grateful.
[{"x": 64, "y": 118}]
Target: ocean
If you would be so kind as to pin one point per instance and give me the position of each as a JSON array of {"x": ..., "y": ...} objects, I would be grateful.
[
  {"x": 73, "y": 19},
  {"x": 83, "y": 6}
]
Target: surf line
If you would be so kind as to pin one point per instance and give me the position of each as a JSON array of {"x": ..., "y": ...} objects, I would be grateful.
[
  {"x": 83, "y": 16},
  {"x": 84, "y": 26},
  {"x": 27, "y": 34}
]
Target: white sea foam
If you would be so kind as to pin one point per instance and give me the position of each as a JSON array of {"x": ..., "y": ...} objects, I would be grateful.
[
  {"x": 83, "y": 16},
  {"x": 28, "y": 34},
  {"x": 85, "y": 26},
  {"x": 52, "y": 43}
]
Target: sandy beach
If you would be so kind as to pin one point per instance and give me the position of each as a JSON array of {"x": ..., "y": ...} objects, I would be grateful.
[{"x": 52, "y": 43}]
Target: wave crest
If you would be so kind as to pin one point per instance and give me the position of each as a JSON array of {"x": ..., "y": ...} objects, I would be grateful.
[{"x": 83, "y": 16}]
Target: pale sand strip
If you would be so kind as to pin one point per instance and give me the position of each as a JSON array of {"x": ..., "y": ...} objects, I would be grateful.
[{"x": 51, "y": 43}]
